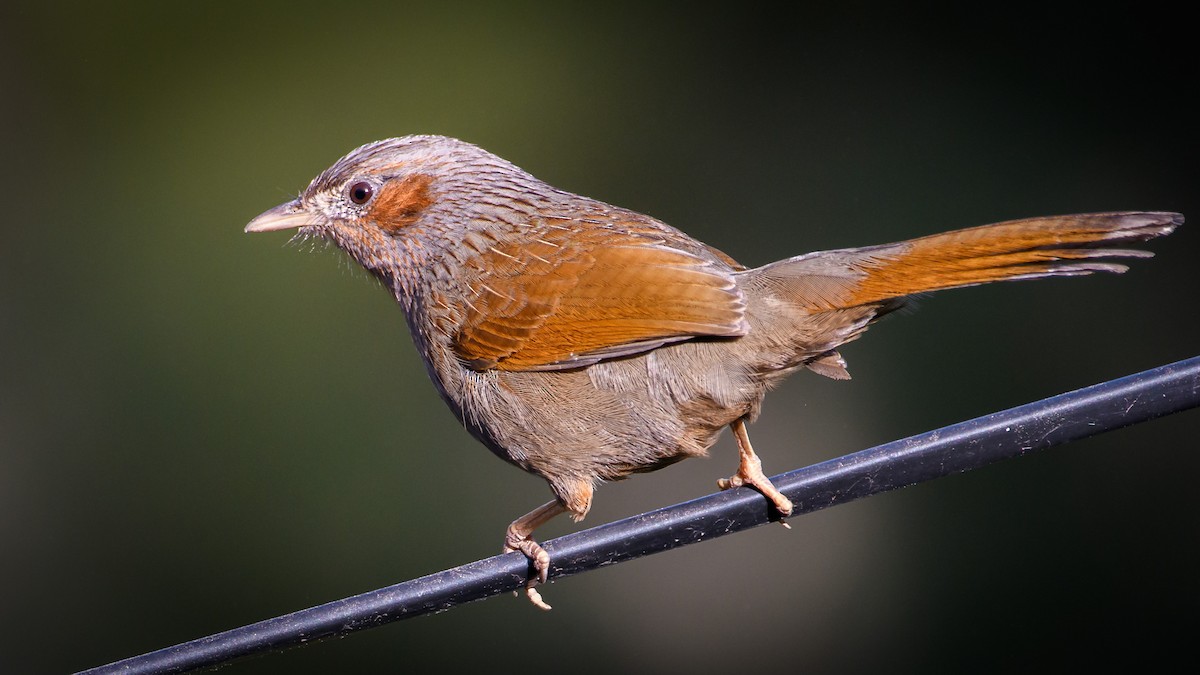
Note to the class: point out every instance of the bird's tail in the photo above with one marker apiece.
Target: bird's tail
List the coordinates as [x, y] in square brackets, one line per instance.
[834, 296]
[1018, 249]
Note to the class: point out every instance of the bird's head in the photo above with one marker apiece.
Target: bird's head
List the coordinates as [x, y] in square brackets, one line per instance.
[394, 203]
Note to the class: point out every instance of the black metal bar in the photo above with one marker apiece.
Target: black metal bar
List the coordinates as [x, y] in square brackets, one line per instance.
[953, 449]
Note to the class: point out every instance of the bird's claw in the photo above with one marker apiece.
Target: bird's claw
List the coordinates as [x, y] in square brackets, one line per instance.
[540, 560]
[535, 597]
[750, 473]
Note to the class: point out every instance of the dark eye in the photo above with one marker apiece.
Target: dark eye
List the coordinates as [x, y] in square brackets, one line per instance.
[361, 192]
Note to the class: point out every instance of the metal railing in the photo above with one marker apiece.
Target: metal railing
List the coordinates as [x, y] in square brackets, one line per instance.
[954, 449]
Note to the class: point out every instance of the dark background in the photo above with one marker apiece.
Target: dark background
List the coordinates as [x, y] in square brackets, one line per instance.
[200, 429]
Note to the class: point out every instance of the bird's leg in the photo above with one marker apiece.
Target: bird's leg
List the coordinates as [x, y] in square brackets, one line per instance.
[750, 472]
[519, 538]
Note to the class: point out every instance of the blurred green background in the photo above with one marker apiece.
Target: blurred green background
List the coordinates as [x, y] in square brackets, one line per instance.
[200, 429]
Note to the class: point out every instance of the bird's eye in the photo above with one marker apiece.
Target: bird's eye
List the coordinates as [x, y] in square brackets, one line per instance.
[361, 192]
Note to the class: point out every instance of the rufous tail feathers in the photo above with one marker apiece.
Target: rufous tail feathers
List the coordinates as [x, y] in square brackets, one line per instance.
[1018, 249]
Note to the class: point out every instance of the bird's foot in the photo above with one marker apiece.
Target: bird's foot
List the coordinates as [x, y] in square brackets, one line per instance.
[538, 558]
[750, 473]
[757, 480]
[519, 537]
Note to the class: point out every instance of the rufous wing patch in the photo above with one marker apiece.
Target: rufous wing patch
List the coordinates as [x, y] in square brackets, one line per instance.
[564, 299]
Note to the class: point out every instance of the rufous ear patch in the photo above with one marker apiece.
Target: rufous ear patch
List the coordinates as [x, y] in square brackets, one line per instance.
[401, 200]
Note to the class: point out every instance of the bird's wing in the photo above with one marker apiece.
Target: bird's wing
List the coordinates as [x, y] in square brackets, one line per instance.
[568, 296]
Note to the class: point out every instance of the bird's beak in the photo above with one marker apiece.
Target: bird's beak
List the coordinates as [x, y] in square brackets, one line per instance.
[283, 217]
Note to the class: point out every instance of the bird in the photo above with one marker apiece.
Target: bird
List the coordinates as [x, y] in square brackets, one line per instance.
[584, 342]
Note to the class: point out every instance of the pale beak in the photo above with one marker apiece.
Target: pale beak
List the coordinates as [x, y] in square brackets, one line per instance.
[283, 217]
